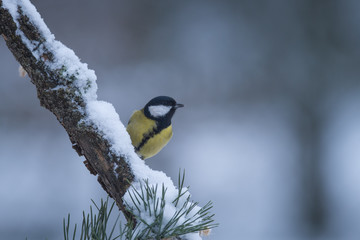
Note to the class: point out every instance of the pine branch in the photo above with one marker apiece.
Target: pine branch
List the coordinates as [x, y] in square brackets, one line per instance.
[158, 219]
[150, 210]
[94, 225]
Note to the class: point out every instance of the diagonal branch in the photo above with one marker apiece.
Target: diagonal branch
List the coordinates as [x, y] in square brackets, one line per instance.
[67, 88]
[64, 86]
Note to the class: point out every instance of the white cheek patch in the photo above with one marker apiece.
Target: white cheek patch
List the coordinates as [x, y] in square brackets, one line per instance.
[159, 111]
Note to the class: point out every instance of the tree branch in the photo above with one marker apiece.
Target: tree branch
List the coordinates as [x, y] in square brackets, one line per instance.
[59, 91]
[67, 88]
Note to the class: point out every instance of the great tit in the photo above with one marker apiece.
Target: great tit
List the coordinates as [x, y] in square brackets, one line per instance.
[150, 128]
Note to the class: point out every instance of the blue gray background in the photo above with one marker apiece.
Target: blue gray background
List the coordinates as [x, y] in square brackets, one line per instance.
[270, 131]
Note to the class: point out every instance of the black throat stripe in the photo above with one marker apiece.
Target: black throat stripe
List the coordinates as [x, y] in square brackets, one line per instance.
[147, 137]
[160, 125]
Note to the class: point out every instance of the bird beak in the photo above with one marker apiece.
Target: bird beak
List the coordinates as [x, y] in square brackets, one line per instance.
[178, 105]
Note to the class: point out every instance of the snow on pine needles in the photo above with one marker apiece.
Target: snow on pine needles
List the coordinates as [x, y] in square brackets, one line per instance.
[158, 205]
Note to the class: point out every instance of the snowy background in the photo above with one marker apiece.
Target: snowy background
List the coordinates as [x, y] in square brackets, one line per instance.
[270, 131]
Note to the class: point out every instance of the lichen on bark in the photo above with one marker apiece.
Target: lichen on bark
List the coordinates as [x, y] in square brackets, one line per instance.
[57, 91]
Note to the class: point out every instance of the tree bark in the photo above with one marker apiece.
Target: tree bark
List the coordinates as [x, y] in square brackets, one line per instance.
[114, 173]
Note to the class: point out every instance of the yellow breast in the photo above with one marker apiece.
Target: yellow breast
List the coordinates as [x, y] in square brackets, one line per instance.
[144, 135]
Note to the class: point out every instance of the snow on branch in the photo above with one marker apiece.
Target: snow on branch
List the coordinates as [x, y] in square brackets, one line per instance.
[67, 88]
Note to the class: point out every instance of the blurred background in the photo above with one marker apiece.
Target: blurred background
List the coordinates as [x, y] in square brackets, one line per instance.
[270, 131]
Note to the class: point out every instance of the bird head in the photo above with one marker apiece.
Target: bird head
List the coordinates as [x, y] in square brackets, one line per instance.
[161, 108]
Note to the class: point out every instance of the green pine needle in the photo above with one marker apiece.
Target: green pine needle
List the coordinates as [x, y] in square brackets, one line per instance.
[146, 202]
[95, 225]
